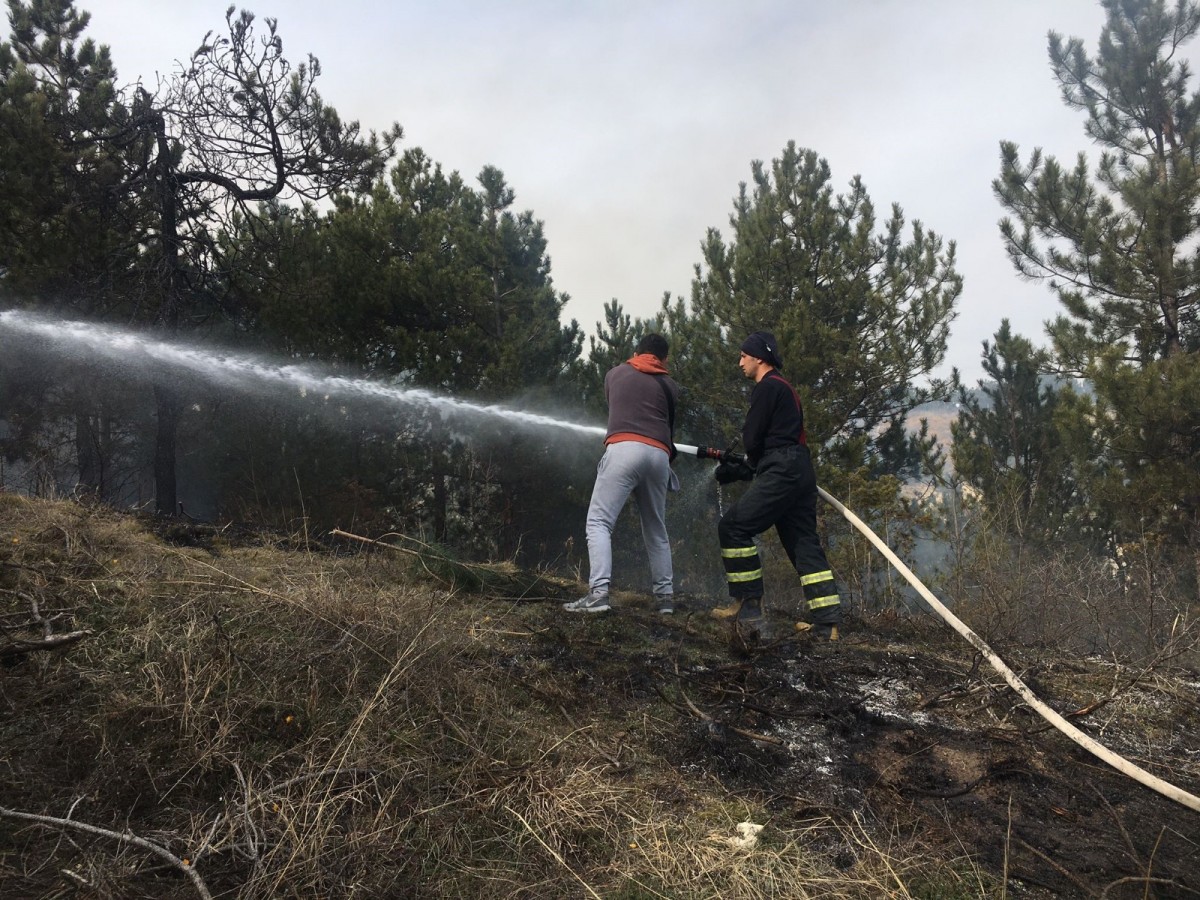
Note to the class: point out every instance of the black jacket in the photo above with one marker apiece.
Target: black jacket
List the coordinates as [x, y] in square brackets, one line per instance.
[775, 419]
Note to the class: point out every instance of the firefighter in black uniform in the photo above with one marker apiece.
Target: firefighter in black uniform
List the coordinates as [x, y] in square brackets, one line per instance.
[783, 493]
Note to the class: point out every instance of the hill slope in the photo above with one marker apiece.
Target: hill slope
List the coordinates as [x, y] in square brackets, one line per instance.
[346, 721]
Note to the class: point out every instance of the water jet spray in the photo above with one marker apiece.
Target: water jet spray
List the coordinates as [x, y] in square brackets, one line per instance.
[241, 370]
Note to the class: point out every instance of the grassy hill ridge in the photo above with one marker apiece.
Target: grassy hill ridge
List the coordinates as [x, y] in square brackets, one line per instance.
[288, 719]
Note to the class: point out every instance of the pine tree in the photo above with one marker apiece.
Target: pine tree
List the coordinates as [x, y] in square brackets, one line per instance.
[611, 344]
[66, 222]
[1006, 443]
[525, 345]
[433, 283]
[61, 210]
[1118, 246]
[861, 313]
[238, 125]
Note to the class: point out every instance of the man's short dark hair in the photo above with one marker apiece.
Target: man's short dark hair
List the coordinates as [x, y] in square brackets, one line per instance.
[655, 344]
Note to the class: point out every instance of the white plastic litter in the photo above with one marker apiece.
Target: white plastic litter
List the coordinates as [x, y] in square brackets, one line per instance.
[748, 836]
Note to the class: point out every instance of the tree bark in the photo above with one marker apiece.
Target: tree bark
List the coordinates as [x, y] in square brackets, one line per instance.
[87, 455]
[441, 501]
[167, 403]
[167, 407]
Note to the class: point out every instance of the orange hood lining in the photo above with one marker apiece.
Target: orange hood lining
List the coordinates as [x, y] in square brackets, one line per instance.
[648, 363]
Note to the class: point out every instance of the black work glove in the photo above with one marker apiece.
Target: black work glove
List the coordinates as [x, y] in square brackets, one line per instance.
[729, 472]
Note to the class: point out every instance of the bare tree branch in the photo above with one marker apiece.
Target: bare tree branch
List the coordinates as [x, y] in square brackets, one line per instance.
[127, 837]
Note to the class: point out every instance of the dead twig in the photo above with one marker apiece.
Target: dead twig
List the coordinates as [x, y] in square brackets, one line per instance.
[952, 693]
[253, 835]
[1138, 879]
[455, 574]
[276, 789]
[76, 877]
[1071, 877]
[697, 713]
[337, 532]
[562, 862]
[54, 642]
[1169, 651]
[705, 717]
[1133, 854]
[584, 731]
[127, 837]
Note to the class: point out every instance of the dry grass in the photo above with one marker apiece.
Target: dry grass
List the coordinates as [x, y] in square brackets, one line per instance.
[316, 724]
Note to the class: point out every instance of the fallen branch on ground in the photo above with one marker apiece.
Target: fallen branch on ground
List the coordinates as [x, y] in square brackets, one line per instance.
[127, 837]
[48, 641]
[20, 647]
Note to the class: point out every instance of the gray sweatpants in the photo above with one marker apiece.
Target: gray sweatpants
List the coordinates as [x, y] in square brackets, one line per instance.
[630, 467]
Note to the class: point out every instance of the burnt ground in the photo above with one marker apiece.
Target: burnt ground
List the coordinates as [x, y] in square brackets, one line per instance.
[903, 726]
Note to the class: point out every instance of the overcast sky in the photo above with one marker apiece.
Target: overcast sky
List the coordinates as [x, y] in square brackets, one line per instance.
[627, 125]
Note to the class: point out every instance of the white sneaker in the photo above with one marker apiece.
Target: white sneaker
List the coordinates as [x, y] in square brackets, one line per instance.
[588, 604]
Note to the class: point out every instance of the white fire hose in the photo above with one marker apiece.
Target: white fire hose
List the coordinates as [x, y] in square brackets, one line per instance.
[1119, 763]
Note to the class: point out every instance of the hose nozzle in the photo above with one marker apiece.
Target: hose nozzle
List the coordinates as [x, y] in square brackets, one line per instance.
[710, 453]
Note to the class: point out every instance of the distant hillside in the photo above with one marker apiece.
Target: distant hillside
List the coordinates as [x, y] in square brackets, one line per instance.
[940, 416]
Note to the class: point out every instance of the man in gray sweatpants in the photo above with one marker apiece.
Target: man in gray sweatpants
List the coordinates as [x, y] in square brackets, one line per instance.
[637, 460]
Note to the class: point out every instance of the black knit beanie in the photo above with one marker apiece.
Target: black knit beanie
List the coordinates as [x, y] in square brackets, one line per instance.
[762, 345]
